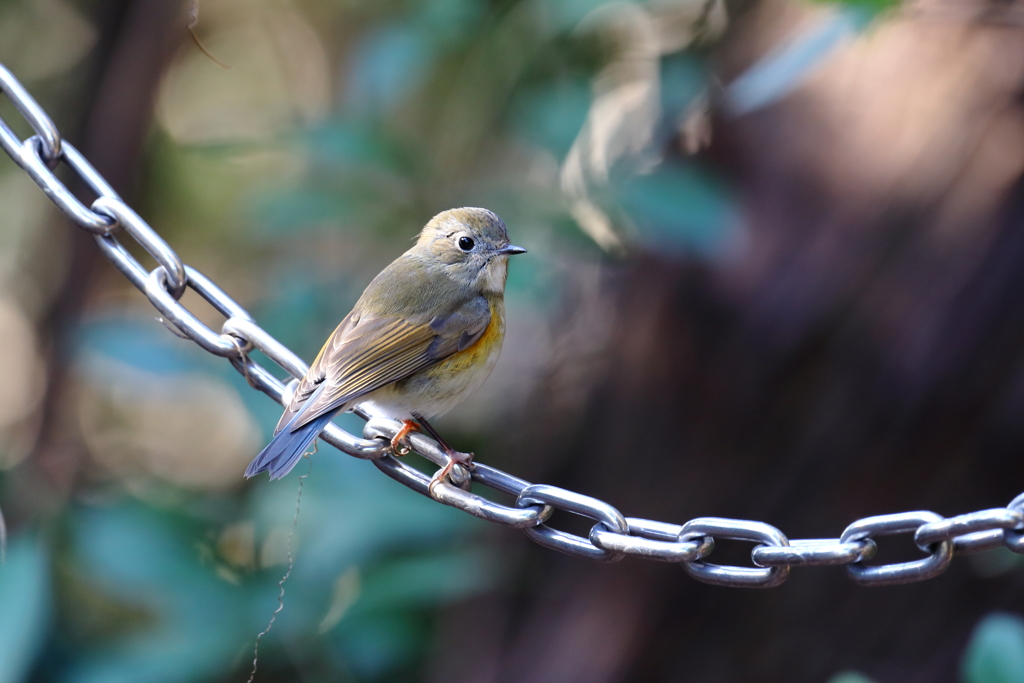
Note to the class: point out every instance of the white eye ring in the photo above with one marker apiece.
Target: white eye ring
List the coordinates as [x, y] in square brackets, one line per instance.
[466, 243]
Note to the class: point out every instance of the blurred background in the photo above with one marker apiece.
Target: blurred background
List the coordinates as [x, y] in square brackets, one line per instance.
[775, 272]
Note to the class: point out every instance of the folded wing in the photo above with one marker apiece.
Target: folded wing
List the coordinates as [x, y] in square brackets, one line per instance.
[367, 352]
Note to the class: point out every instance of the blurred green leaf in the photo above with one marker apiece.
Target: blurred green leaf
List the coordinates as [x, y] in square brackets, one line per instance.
[341, 143]
[679, 208]
[566, 15]
[142, 343]
[388, 64]
[148, 557]
[995, 653]
[356, 516]
[427, 580]
[24, 606]
[867, 9]
[381, 643]
[552, 115]
[448, 21]
[850, 677]
[683, 78]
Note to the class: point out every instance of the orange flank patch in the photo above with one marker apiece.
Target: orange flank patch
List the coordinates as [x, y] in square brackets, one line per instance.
[482, 348]
[474, 357]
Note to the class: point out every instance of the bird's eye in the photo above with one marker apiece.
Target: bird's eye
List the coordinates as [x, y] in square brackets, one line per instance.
[465, 243]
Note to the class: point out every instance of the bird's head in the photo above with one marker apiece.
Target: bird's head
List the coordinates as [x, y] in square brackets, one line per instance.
[471, 245]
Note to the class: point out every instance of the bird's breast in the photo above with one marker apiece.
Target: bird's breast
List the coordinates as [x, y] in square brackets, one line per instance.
[442, 386]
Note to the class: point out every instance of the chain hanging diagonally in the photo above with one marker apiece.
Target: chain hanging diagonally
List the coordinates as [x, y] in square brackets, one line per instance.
[613, 535]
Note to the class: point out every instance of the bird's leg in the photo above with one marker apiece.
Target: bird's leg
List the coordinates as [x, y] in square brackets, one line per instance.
[397, 447]
[432, 432]
[454, 456]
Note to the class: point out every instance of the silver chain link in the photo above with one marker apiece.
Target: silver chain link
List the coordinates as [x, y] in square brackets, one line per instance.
[612, 537]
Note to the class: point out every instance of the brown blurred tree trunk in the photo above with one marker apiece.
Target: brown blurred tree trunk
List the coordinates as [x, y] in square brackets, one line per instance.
[137, 38]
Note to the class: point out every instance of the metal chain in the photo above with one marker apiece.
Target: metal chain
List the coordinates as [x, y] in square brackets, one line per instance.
[612, 537]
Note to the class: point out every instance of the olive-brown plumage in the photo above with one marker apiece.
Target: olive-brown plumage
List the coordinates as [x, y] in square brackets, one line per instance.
[424, 335]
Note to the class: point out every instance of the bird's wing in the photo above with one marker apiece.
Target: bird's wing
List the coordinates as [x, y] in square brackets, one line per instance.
[367, 352]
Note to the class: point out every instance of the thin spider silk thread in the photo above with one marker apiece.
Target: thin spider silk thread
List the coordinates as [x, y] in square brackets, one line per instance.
[244, 361]
[280, 584]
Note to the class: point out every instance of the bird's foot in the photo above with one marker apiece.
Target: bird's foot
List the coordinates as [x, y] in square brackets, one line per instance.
[454, 458]
[399, 448]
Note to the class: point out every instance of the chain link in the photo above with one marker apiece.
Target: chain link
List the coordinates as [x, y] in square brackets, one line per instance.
[739, 530]
[652, 541]
[41, 123]
[611, 538]
[940, 553]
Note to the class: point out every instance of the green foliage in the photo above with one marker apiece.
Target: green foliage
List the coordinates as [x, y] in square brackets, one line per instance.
[868, 9]
[146, 558]
[291, 180]
[680, 208]
[850, 677]
[25, 603]
[995, 653]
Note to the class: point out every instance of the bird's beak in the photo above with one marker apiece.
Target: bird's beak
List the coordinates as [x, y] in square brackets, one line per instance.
[509, 250]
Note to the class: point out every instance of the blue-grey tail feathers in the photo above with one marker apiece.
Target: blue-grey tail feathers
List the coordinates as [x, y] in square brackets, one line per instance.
[285, 449]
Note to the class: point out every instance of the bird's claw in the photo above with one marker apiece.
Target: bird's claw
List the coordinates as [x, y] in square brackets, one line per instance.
[399, 448]
[454, 458]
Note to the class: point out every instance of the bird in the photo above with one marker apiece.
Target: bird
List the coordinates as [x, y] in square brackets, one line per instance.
[423, 336]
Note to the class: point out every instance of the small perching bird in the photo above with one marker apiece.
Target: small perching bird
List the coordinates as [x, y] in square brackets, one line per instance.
[424, 335]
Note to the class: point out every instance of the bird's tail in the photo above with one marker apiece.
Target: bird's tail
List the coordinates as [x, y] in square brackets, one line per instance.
[285, 449]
